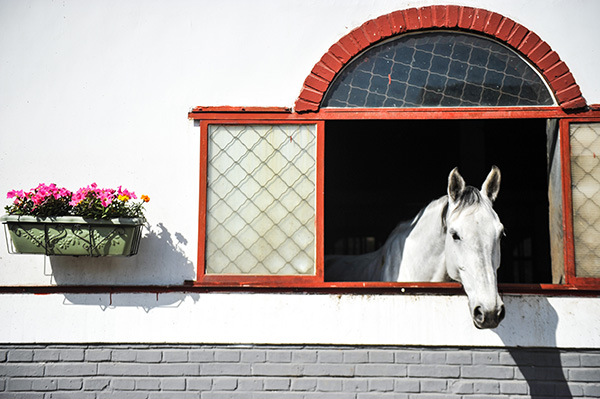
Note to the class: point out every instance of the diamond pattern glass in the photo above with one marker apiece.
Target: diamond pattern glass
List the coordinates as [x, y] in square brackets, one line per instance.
[437, 69]
[261, 199]
[585, 178]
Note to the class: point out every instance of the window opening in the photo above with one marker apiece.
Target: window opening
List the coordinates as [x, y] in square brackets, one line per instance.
[437, 69]
[380, 173]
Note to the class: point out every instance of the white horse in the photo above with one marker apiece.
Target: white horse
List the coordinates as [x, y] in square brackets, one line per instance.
[455, 238]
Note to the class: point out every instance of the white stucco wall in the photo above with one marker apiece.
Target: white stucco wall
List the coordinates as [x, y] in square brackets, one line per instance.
[293, 319]
[98, 91]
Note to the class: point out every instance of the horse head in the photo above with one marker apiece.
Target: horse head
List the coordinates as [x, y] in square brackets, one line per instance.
[472, 245]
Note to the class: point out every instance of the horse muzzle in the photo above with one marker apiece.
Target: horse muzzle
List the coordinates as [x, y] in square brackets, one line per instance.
[488, 318]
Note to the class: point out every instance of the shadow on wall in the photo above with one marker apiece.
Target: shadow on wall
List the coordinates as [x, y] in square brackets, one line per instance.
[146, 301]
[161, 260]
[541, 368]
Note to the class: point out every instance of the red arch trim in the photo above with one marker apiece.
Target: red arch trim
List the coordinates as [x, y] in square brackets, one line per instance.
[516, 36]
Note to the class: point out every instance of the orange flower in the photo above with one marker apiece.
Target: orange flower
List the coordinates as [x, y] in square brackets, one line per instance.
[145, 198]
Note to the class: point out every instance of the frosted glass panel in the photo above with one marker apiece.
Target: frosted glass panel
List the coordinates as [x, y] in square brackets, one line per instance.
[585, 176]
[261, 199]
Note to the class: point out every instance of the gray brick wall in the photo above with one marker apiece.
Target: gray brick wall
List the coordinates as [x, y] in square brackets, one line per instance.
[257, 372]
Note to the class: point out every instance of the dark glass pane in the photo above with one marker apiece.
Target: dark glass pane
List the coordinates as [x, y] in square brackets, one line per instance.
[437, 69]
[440, 65]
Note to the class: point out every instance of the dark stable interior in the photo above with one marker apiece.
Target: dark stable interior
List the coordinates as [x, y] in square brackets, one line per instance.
[379, 173]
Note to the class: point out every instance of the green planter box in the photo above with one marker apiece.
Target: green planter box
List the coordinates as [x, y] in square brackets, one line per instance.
[73, 235]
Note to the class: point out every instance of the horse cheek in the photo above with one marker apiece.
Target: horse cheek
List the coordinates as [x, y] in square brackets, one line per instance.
[453, 261]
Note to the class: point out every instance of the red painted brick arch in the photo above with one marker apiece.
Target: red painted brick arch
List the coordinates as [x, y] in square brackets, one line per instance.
[492, 24]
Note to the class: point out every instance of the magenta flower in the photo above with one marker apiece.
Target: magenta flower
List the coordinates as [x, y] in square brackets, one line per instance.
[105, 196]
[90, 201]
[76, 198]
[15, 193]
[125, 192]
[43, 200]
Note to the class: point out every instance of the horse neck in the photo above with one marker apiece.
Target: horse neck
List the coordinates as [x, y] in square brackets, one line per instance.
[423, 256]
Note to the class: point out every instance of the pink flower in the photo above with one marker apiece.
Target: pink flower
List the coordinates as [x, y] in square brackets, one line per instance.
[76, 198]
[15, 193]
[124, 191]
[105, 196]
[38, 198]
[79, 196]
[87, 201]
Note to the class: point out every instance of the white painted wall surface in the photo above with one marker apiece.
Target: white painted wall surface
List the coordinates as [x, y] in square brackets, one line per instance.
[293, 319]
[98, 91]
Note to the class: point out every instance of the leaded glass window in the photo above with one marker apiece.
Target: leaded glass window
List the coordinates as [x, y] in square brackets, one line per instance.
[437, 69]
[585, 178]
[261, 199]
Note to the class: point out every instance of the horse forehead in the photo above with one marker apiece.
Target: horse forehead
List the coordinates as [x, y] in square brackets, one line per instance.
[477, 217]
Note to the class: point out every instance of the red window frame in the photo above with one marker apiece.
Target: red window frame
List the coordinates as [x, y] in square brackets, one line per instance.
[260, 280]
[246, 115]
[569, 238]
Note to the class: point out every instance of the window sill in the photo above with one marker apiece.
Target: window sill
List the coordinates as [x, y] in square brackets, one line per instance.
[352, 288]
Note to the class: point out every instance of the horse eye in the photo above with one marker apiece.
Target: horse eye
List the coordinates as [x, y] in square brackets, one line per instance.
[455, 236]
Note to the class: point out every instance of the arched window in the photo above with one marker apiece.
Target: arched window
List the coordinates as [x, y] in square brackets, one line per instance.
[437, 69]
[385, 115]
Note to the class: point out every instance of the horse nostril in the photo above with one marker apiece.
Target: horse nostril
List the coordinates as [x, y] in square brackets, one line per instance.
[501, 313]
[478, 315]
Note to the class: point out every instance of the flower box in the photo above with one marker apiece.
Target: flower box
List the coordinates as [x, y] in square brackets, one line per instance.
[92, 221]
[72, 235]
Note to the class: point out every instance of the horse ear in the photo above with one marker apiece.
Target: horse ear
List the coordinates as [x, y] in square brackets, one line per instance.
[491, 186]
[456, 185]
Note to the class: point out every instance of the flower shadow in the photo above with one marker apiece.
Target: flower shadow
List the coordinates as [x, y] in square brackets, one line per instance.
[161, 261]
